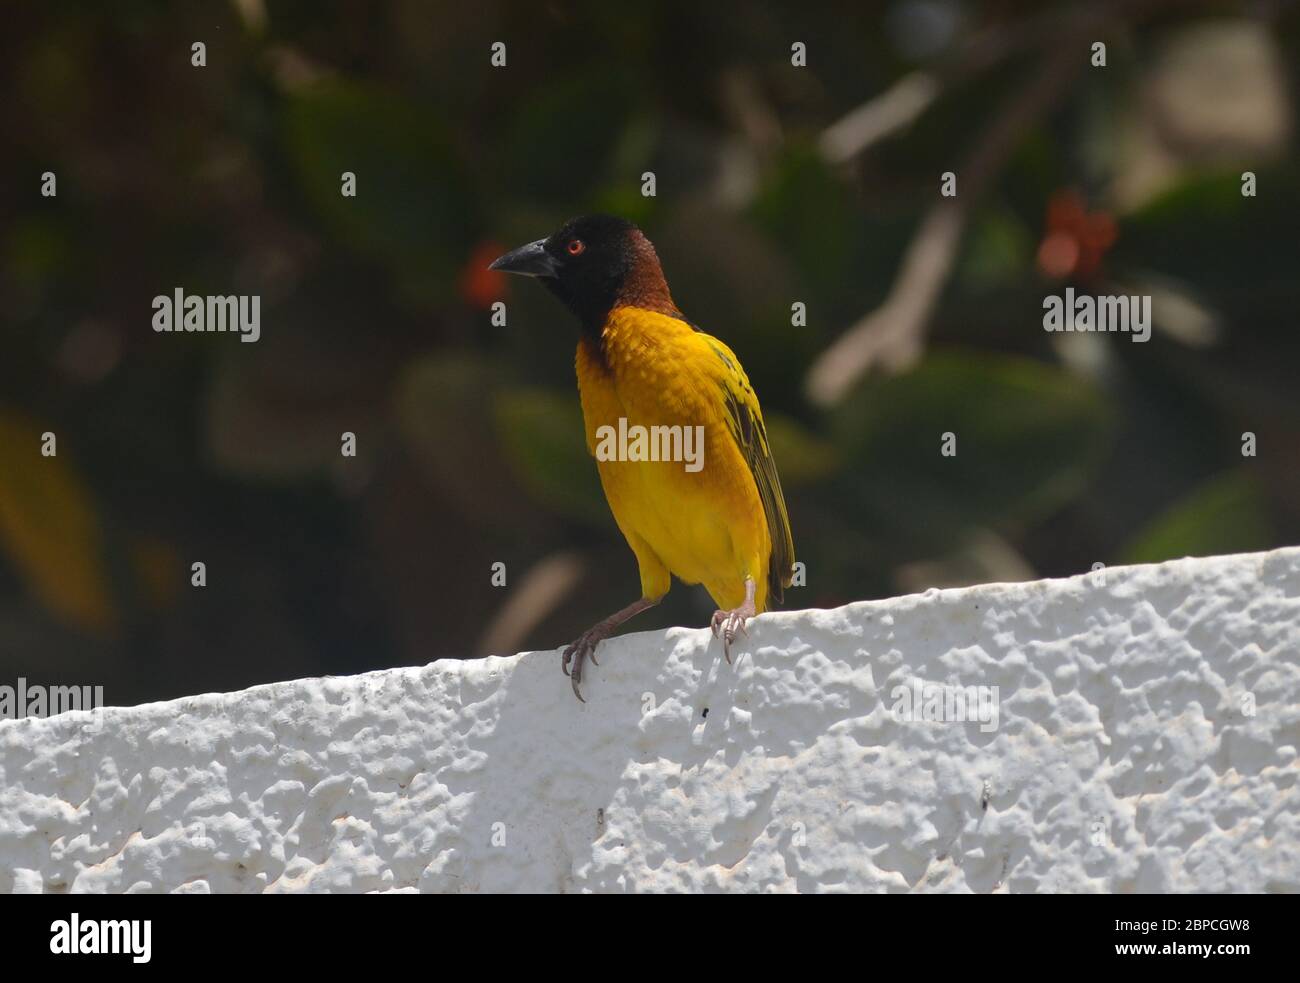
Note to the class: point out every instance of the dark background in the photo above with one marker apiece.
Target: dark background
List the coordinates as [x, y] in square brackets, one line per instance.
[775, 184]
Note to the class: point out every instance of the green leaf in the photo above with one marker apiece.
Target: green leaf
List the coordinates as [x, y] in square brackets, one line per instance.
[412, 203]
[810, 211]
[565, 135]
[998, 250]
[1227, 514]
[1196, 232]
[1027, 438]
[801, 457]
[545, 442]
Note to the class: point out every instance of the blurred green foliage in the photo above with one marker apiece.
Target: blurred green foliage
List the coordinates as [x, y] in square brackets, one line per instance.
[376, 309]
[1025, 438]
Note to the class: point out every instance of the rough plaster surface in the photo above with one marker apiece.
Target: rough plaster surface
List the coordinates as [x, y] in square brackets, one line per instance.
[1125, 758]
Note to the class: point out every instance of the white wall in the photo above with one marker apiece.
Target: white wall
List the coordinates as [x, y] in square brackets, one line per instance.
[1125, 758]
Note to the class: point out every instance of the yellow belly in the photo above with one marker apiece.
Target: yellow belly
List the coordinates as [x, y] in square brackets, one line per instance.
[705, 526]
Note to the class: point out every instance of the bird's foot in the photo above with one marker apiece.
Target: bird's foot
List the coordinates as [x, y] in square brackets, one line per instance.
[581, 650]
[730, 623]
[585, 647]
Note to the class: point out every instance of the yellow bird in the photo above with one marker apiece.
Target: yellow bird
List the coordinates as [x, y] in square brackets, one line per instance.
[675, 428]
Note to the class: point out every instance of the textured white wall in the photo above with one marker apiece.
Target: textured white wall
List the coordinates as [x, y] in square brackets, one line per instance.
[1125, 758]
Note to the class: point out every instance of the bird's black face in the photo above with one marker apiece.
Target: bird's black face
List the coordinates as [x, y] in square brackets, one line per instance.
[584, 263]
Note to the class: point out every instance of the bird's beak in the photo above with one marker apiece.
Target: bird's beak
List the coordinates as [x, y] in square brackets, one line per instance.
[529, 260]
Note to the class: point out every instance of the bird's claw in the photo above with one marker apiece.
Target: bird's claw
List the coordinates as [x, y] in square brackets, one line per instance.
[729, 623]
[577, 653]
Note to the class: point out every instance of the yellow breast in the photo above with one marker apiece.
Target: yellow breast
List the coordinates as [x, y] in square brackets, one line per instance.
[652, 389]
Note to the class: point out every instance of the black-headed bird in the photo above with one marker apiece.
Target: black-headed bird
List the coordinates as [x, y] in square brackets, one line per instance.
[721, 522]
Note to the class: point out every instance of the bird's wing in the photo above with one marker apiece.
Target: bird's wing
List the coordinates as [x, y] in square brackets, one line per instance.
[744, 419]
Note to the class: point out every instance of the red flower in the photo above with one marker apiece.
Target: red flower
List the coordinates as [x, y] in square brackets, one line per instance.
[1076, 239]
[479, 286]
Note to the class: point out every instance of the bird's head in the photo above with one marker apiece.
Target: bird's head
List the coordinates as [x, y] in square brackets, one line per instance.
[593, 264]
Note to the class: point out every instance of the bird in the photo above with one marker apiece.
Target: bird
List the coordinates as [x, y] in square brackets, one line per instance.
[721, 522]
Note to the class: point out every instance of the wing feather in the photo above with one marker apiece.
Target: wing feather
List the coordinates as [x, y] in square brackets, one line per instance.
[744, 419]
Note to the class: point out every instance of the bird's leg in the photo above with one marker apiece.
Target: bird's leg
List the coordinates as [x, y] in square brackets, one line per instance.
[733, 621]
[585, 647]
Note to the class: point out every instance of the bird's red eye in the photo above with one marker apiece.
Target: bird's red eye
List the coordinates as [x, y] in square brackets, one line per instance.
[576, 247]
